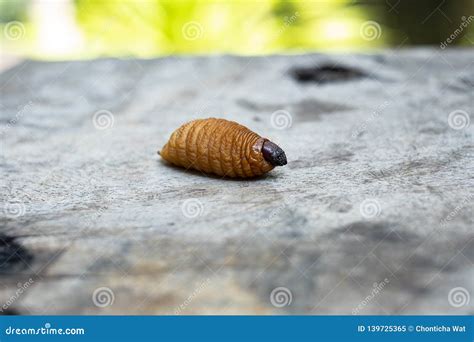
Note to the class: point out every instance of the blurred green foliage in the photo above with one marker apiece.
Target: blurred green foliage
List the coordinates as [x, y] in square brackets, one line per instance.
[147, 28]
[168, 27]
[13, 10]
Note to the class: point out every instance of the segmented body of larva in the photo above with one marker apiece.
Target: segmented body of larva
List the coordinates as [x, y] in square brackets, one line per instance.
[222, 147]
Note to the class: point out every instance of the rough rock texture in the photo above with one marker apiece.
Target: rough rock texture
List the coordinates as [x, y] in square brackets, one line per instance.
[372, 214]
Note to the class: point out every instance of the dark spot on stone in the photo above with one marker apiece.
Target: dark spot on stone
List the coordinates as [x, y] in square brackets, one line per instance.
[376, 232]
[468, 80]
[379, 174]
[313, 110]
[462, 83]
[340, 205]
[334, 154]
[246, 104]
[326, 74]
[380, 58]
[258, 107]
[418, 167]
[13, 256]
[432, 129]
[10, 312]
[306, 110]
[292, 234]
[301, 164]
[468, 250]
[419, 261]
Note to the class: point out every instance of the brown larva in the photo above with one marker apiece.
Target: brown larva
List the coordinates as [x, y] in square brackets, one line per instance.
[222, 147]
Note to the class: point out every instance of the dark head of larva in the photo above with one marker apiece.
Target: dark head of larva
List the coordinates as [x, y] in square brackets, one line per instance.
[273, 154]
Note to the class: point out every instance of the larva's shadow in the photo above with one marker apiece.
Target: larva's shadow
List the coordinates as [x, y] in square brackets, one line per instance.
[195, 173]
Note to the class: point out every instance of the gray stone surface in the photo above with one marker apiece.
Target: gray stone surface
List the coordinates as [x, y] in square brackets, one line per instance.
[378, 189]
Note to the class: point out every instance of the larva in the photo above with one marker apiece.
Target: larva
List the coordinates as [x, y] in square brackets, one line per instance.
[222, 147]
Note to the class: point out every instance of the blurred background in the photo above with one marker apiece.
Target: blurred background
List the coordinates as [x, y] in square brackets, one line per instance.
[83, 29]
